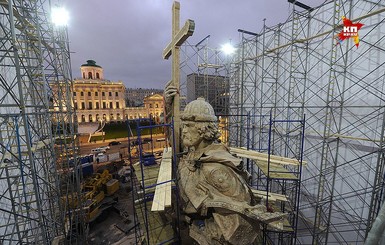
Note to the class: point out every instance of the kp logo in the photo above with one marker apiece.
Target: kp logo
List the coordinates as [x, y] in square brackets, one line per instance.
[349, 30]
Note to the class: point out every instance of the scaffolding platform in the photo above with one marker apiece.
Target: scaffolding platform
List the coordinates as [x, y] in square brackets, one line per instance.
[272, 166]
[160, 229]
[275, 171]
[153, 190]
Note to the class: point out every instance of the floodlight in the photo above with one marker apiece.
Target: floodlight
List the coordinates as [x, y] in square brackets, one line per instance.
[228, 49]
[59, 16]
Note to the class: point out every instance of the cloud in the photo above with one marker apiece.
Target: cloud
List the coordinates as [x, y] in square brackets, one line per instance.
[127, 37]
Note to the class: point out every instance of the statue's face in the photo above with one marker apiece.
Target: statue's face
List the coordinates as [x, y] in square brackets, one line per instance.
[190, 134]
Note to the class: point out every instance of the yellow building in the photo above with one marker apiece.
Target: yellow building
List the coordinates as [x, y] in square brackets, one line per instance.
[153, 107]
[95, 98]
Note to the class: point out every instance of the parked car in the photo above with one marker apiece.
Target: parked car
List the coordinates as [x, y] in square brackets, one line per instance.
[114, 143]
[105, 147]
[98, 150]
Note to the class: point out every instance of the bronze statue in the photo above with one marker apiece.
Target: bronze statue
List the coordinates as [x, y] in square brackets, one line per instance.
[217, 201]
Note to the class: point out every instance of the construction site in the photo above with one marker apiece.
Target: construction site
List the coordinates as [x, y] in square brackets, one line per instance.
[303, 110]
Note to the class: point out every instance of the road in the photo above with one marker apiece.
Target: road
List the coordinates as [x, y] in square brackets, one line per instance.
[85, 148]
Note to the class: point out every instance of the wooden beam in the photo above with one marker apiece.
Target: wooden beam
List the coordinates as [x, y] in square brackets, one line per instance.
[272, 196]
[274, 159]
[162, 196]
[177, 38]
[186, 31]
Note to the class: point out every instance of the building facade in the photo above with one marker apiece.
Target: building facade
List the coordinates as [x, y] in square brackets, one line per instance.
[95, 98]
[135, 96]
[211, 87]
[153, 108]
[154, 105]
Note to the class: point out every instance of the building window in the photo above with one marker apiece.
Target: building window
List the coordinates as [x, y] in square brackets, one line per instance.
[156, 106]
[97, 117]
[109, 93]
[81, 93]
[97, 75]
[103, 94]
[111, 117]
[117, 104]
[90, 118]
[118, 116]
[116, 93]
[83, 118]
[74, 93]
[104, 105]
[76, 105]
[83, 105]
[96, 94]
[84, 75]
[150, 105]
[97, 105]
[110, 105]
[89, 105]
[89, 93]
[104, 117]
[90, 75]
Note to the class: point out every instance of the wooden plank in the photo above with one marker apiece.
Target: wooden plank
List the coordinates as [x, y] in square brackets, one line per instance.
[276, 171]
[168, 177]
[162, 197]
[274, 159]
[272, 196]
[152, 189]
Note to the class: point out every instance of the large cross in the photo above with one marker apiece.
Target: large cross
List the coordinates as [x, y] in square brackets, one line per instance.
[177, 39]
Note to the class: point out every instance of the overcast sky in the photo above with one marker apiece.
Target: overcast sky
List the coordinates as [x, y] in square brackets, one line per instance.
[127, 37]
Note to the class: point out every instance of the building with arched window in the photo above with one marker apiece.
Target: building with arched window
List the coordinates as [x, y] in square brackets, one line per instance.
[153, 107]
[94, 96]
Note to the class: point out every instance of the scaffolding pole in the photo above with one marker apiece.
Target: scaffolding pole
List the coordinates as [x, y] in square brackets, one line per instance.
[298, 67]
[31, 207]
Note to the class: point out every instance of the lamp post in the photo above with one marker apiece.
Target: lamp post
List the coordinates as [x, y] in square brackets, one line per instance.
[59, 16]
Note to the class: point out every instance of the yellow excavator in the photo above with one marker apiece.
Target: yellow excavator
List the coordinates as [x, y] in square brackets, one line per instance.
[94, 191]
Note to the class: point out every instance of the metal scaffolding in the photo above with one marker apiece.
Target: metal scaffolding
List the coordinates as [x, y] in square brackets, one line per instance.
[154, 222]
[204, 74]
[34, 169]
[299, 68]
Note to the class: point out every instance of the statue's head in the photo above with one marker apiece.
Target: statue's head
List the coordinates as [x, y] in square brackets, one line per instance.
[199, 124]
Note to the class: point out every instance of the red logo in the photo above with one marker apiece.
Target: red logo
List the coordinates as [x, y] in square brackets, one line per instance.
[350, 30]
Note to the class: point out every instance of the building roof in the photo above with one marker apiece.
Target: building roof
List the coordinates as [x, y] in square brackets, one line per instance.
[91, 63]
[154, 97]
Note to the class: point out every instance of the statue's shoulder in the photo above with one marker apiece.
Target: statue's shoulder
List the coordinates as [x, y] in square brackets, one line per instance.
[219, 152]
[216, 148]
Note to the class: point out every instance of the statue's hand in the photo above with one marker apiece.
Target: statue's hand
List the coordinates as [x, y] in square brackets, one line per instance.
[169, 93]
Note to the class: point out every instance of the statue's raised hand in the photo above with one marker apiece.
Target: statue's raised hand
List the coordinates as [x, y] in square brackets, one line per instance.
[169, 93]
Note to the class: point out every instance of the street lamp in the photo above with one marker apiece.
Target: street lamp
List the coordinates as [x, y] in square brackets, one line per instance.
[59, 16]
[228, 49]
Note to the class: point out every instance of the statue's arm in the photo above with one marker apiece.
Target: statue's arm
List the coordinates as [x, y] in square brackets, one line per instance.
[169, 93]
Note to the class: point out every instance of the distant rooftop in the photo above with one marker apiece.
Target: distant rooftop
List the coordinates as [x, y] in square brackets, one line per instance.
[91, 63]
